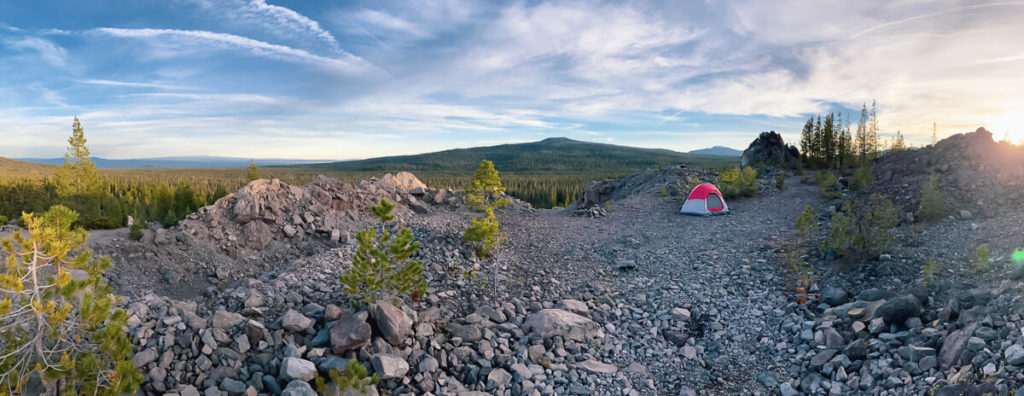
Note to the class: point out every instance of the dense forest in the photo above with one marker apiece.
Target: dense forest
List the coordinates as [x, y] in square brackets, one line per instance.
[546, 174]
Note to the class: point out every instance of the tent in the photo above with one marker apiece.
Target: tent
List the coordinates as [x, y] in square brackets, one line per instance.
[704, 200]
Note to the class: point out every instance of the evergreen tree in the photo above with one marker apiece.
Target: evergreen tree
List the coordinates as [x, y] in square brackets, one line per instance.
[185, 199]
[807, 140]
[862, 139]
[62, 327]
[898, 143]
[377, 271]
[828, 137]
[253, 172]
[485, 190]
[874, 146]
[78, 174]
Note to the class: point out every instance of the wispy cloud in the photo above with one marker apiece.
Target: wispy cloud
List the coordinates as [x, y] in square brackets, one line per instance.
[50, 52]
[129, 84]
[345, 63]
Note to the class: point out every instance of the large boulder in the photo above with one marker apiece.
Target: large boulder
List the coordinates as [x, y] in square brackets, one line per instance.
[394, 325]
[349, 332]
[769, 150]
[556, 322]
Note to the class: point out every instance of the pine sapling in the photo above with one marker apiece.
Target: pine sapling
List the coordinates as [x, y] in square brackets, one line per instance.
[382, 268]
[56, 313]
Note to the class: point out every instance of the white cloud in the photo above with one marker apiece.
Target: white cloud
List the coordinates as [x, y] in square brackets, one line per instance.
[51, 53]
[345, 63]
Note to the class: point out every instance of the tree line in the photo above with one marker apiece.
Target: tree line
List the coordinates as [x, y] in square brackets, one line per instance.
[827, 142]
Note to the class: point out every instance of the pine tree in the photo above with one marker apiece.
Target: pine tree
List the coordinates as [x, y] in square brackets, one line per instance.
[817, 148]
[377, 271]
[898, 143]
[484, 234]
[862, 139]
[829, 141]
[807, 140]
[78, 174]
[253, 172]
[62, 326]
[873, 142]
[485, 190]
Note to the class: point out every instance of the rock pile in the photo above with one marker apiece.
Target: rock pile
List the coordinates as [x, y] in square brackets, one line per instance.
[327, 209]
[648, 182]
[978, 174]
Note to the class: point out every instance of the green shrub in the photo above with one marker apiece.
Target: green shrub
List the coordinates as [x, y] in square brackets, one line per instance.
[663, 192]
[485, 190]
[863, 229]
[874, 237]
[780, 180]
[807, 223]
[862, 178]
[484, 234]
[933, 203]
[736, 182]
[827, 185]
[981, 263]
[353, 378]
[931, 270]
[4, 220]
[381, 268]
[805, 178]
[135, 232]
[841, 237]
[63, 328]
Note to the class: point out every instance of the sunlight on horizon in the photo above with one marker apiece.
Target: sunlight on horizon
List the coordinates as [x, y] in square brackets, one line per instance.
[1009, 127]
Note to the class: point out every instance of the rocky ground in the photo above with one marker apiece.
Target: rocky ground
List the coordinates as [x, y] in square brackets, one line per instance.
[632, 298]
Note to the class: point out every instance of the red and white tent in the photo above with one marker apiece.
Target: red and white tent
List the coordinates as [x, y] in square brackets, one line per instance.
[705, 199]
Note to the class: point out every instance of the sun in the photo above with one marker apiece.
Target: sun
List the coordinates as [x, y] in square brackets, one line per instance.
[1009, 126]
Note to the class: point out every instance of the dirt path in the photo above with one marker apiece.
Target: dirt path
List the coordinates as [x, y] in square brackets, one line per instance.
[723, 269]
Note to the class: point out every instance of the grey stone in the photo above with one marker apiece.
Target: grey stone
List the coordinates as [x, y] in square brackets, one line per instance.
[226, 320]
[597, 366]
[834, 296]
[293, 368]
[389, 366]
[898, 309]
[189, 390]
[498, 378]
[394, 325]
[556, 322]
[468, 333]
[1014, 355]
[298, 388]
[294, 321]
[954, 351]
[975, 344]
[145, 357]
[233, 387]
[348, 333]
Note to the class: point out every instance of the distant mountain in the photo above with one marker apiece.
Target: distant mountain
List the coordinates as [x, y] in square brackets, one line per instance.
[177, 162]
[552, 156]
[719, 151]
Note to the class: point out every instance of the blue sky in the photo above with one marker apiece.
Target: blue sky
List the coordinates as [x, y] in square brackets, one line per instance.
[355, 79]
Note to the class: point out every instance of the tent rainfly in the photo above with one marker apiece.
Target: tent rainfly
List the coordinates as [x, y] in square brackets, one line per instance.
[705, 200]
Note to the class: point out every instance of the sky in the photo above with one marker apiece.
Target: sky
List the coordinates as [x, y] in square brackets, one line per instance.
[356, 79]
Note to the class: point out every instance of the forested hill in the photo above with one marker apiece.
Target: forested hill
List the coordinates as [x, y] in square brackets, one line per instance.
[553, 156]
[9, 167]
